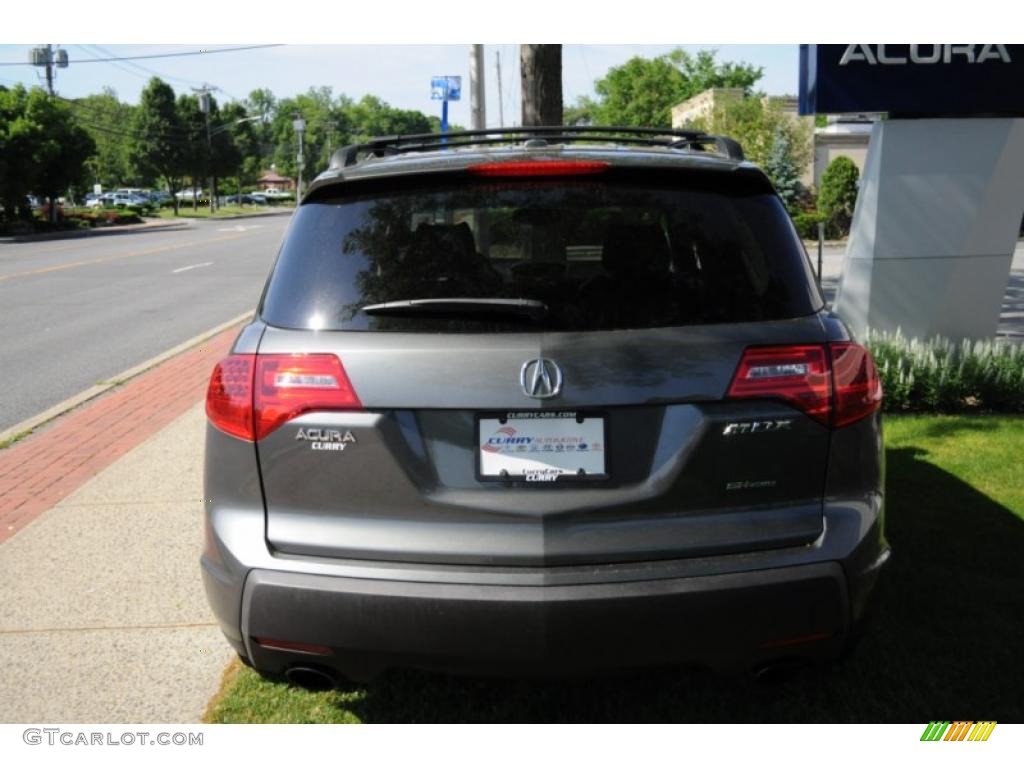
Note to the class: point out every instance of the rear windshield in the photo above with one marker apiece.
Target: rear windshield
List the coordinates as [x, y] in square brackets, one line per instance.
[585, 255]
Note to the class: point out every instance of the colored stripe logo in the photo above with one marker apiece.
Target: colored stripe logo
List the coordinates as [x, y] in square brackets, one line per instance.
[958, 731]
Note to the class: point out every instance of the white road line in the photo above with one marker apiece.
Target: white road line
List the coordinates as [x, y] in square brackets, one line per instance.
[240, 228]
[191, 266]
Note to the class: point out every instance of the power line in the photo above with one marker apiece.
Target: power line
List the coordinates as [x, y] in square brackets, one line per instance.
[114, 64]
[200, 52]
[136, 69]
[182, 136]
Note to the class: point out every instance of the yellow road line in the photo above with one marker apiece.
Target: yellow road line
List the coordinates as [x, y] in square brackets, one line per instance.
[133, 254]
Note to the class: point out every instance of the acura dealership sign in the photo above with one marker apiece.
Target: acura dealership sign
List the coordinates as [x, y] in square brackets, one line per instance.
[913, 79]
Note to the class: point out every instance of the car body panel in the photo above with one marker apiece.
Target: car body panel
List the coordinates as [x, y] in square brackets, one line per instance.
[743, 543]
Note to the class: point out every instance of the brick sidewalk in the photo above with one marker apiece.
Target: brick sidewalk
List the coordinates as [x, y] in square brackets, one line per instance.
[40, 470]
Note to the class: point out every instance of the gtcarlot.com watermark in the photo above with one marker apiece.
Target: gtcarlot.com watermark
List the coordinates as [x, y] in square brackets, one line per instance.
[69, 738]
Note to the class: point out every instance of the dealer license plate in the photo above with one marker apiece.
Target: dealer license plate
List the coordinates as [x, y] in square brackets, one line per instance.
[541, 446]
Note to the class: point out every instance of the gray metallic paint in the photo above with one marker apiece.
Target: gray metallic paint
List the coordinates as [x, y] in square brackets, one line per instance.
[400, 516]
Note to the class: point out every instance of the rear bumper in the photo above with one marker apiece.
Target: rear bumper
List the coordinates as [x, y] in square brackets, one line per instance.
[726, 620]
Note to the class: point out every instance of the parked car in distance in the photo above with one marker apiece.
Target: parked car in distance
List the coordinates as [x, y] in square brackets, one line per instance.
[104, 200]
[274, 195]
[259, 199]
[129, 200]
[551, 406]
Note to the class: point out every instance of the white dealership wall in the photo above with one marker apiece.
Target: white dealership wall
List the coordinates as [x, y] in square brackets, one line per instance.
[935, 226]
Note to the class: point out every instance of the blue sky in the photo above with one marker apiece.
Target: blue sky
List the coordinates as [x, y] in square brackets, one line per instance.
[400, 74]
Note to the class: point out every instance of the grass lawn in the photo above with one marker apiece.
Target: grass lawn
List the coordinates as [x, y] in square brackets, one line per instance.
[203, 211]
[943, 642]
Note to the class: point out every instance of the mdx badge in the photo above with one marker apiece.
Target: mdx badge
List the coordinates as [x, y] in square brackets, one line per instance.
[326, 439]
[750, 427]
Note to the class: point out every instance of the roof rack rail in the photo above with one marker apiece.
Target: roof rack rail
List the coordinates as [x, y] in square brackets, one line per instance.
[382, 146]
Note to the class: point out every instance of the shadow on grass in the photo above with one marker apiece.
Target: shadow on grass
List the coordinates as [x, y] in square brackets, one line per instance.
[948, 427]
[943, 641]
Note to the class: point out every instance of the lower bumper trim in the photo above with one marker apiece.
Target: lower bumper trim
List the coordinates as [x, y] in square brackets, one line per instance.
[370, 625]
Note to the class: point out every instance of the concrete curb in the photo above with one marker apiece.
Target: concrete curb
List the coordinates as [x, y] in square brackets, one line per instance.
[812, 245]
[34, 422]
[284, 212]
[127, 229]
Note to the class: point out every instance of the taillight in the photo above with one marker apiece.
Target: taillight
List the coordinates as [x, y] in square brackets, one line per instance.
[858, 389]
[290, 385]
[229, 396]
[539, 168]
[252, 395]
[835, 384]
[797, 374]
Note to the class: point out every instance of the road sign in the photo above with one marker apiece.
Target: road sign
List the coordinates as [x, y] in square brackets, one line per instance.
[446, 88]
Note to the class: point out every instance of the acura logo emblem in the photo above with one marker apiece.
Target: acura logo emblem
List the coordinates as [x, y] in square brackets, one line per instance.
[540, 378]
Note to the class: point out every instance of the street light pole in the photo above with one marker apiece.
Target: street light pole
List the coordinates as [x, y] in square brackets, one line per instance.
[300, 126]
[204, 107]
[477, 109]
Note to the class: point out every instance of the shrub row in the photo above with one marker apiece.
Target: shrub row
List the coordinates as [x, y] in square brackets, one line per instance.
[102, 218]
[939, 375]
[84, 218]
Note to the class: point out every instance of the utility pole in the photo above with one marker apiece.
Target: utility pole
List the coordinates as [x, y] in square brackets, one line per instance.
[49, 68]
[46, 56]
[501, 103]
[204, 107]
[300, 126]
[477, 107]
[541, 77]
[50, 58]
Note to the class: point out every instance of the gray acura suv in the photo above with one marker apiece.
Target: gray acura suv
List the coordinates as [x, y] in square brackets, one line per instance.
[541, 401]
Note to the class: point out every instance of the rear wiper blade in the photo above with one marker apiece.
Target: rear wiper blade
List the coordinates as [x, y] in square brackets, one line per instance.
[531, 308]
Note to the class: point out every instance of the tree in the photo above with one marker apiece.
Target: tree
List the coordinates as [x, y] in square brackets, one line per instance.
[756, 123]
[319, 109]
[106, 119]
[233, 135]
[255, 140]
[159, 147]
[43, 149]
[371, 116]
[332, 122]
[224, 155]
[642, 91]
[61, 148]
[838, 194]
[540, 68]
[16, 139]
[195, 152]
[781, 169]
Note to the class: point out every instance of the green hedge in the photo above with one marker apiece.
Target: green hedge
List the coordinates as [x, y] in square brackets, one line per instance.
[942, 376]
[807, 225]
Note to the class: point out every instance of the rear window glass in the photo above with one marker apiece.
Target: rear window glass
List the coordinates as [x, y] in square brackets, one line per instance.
[586, 255]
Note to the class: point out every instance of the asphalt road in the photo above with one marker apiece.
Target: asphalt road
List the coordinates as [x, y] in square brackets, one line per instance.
[77, 312]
